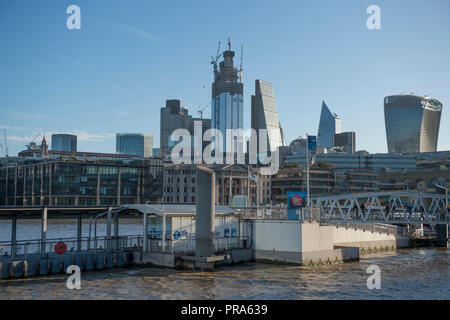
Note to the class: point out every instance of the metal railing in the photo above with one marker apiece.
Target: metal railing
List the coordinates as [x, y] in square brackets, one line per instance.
[24, 248]
[221, 244]
[368, 226]
[265, 213]
[309, 214]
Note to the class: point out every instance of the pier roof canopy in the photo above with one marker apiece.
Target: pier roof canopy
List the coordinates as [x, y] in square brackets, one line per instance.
[174, 209]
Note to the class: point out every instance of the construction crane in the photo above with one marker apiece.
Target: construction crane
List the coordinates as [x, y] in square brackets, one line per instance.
[214, 60]
[200, 112]
[240, 69]
[32, 143]
[34, 139]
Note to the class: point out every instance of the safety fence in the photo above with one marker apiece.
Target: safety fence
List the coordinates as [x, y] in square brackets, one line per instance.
[155, 243]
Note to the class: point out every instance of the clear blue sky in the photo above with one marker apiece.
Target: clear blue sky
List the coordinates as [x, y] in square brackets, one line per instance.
[115, 73]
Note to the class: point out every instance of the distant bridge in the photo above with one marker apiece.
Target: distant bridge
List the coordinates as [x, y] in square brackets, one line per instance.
[385, 207]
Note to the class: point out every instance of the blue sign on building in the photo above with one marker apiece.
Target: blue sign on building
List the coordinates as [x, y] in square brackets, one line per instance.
[176, 235]
[296, 200]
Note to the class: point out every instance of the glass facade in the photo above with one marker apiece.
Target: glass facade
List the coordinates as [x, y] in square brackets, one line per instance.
[81, 183]
[265, 115]
[412, 123]
[136, 144]
[229, 111]
[329, 125]
[64, 142]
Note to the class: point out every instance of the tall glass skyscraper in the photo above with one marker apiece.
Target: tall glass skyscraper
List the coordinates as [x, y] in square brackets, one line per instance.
[412, 123]
[265, 115]
[227, 105]
[329, 125]
[64, 142]
[136, 144]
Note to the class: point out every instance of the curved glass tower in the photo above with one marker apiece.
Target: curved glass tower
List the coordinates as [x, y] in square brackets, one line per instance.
[412, 123]
[329, 125]
[265, 115]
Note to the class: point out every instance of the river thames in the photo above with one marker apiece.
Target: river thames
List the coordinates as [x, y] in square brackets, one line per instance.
[405, 274]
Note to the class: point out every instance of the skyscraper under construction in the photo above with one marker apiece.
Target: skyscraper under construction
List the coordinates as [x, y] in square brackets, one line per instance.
[227, 105]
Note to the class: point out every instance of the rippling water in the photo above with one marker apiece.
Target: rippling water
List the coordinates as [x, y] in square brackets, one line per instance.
[405, 274]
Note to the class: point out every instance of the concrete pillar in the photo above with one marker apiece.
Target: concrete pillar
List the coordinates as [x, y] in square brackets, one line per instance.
[44, 229]
[145, 233]
[79, 231]
[205, 213]
[108, 229]
[13, 235]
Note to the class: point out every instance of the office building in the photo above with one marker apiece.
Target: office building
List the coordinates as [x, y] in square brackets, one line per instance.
[227, 105]
[265, 116]
[345, 142]
[293, 178]
[64, 142]
[232, 182]
[329, 125]
[136, 144]
[412, 123]
[173, 117]
[205, 125]
[39, 182]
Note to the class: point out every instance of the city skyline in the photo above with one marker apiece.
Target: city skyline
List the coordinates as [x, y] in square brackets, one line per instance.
[57, 80]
